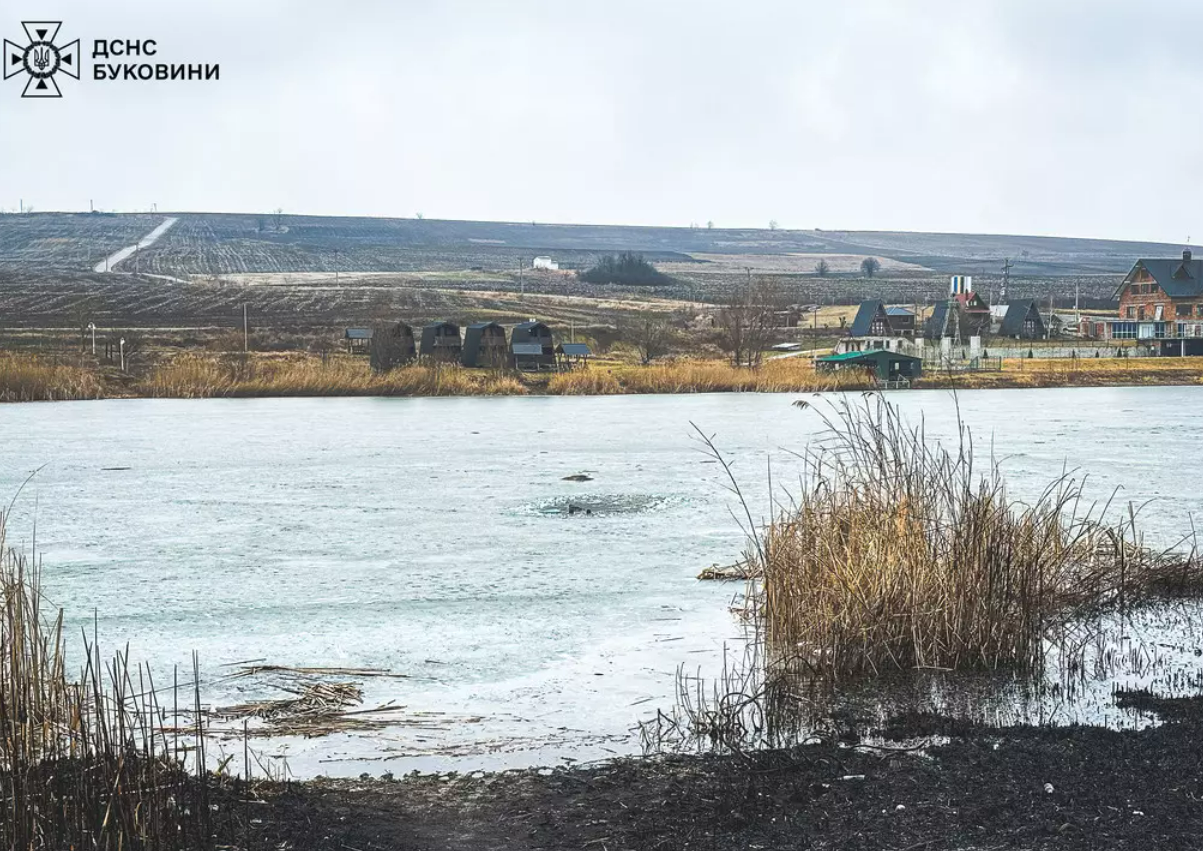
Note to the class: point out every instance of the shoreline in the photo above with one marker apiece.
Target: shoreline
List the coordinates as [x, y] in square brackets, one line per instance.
[980, 787]
[192, 376]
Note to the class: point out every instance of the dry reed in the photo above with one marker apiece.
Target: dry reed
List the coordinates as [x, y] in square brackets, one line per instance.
[897, 554]
[89, 763]
[32, 379]
[194, 376]
[787, 375]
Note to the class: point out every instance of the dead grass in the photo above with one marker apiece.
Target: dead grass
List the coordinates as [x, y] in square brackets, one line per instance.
[195, 376]
[88, 763]
[33, 379]
[899, 554]
[1075, 372]
[702, 376]
[192, 375]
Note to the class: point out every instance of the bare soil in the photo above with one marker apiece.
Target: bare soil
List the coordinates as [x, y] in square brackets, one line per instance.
[1023, 788]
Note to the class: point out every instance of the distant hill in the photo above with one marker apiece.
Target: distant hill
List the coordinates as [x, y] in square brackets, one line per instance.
[220, 243]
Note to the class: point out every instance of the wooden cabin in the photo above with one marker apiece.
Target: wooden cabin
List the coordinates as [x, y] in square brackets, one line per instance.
[572, 355]
[441, 342]
[391, 346]
[1023, 321]
[531, 346]
[357, 340]
[484, 346]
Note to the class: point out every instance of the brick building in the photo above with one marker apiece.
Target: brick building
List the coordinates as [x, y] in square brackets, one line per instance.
[1160, 304]
[1163, 291]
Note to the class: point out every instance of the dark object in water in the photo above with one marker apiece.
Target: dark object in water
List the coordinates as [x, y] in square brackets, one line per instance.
[114, 469]
[577, 477]
[739, 570]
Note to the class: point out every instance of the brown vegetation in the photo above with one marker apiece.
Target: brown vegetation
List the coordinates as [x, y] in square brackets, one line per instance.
[33, 379]
[92, 763]
[897, 554]
[193, 376]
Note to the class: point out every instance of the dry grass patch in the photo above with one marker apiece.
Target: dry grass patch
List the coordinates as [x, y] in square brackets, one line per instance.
[32, 379]
[88, 763]
[899, 554]
[197, 376]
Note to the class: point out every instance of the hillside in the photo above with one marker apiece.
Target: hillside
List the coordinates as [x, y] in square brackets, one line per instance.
[329, 271]
[208, 244]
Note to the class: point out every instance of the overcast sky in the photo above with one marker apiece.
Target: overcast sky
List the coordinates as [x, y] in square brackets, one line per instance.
[1015, 116]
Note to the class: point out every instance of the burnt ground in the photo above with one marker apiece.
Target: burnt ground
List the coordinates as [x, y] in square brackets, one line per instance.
[983, 790]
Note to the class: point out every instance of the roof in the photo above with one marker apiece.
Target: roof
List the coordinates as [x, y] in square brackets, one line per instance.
[871, 354]
[899, 311]
[971, 301]
[935, 323]
[479, 325]
[443, 324]
[527, 348]
[1017, 314]
[358, 334]
[1178, 278]
[574, 349]
[863, 323]
[531, 327]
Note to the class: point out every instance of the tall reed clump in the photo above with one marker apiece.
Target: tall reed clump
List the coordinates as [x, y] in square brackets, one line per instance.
[31, 379]
[197, 376]
[898, 554]
[93, 763]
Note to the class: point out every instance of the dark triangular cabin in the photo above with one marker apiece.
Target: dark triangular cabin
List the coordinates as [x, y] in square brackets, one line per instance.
[1023, 321]
[391, 346]
[484, 346]
[441, 342]
[531, 346]
[871, 320]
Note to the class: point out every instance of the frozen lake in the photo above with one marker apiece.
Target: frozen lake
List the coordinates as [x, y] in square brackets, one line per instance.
[430, 537]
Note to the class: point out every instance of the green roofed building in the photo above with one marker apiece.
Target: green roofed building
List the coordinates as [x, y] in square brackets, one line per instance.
[886, 366]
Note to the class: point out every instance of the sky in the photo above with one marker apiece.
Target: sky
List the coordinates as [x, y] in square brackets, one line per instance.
[985, 116]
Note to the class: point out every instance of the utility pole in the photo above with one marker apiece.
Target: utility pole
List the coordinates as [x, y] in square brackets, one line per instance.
[246, 334]
[521, 280]
[1006, 269]
[92, 328]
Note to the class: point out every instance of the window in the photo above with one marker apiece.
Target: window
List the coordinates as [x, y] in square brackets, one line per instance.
[1140, 313]
[1131, 312]
[1123, 330]
[1153, 288]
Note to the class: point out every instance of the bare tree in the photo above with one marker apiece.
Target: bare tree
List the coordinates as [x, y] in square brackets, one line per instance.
[822, 268]
[652, 334]
[746, 325]
[133, 347]
[869, 266]
[83, 314]
[772, 224]
[710, 225]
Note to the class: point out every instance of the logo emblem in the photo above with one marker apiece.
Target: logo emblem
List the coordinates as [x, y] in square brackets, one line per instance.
[41, 59]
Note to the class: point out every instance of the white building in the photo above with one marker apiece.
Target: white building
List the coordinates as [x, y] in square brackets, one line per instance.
[545, 263]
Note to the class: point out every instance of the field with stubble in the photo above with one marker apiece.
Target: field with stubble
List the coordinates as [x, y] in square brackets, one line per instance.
[302, 279]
